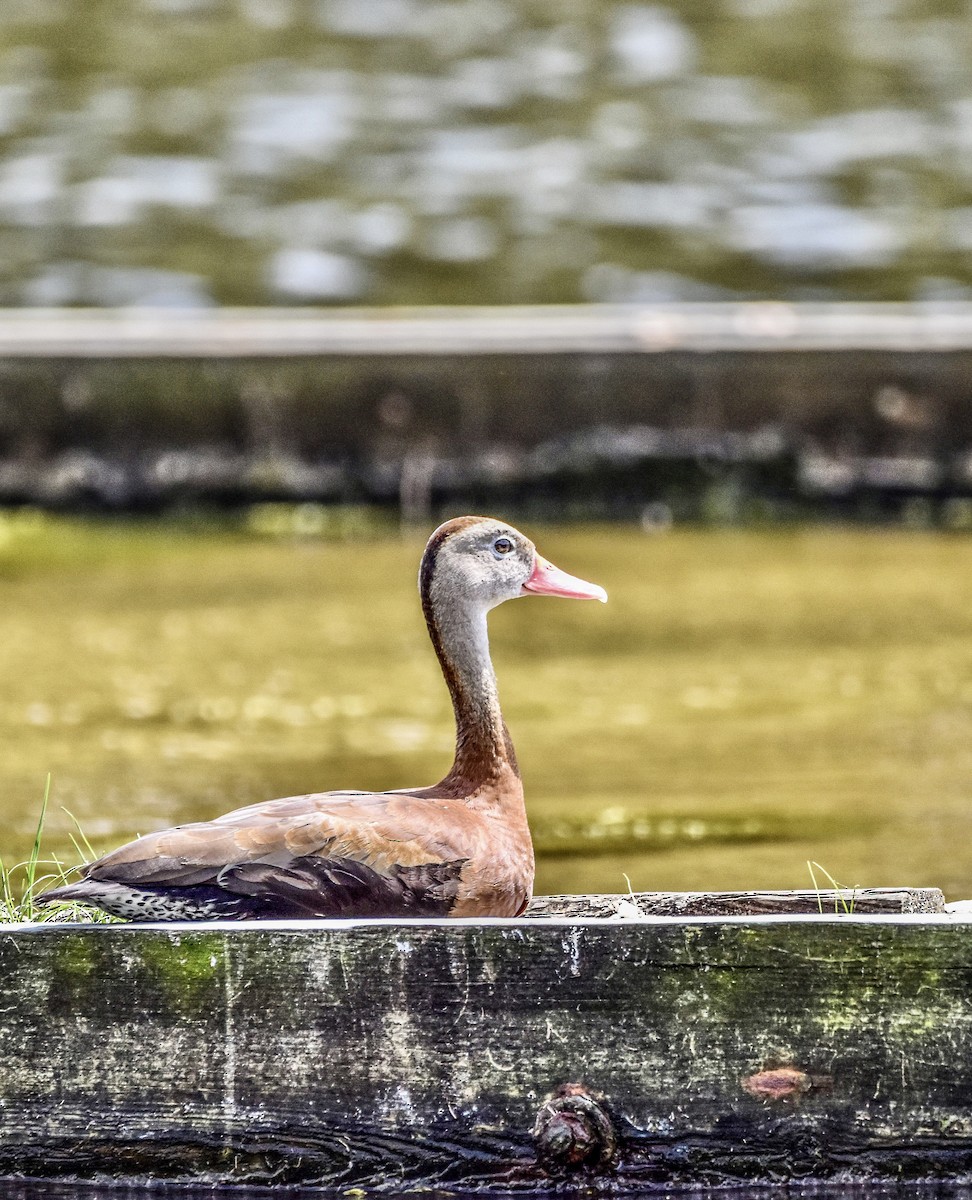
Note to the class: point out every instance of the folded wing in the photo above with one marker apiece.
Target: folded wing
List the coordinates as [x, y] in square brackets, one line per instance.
[322, 855]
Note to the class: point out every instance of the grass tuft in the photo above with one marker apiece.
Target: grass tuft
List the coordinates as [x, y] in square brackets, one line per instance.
[841, 903]
[22, 883]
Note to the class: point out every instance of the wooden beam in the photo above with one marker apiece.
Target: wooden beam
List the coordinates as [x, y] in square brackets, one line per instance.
[457, 1055]
[740, 904]
[567, 329]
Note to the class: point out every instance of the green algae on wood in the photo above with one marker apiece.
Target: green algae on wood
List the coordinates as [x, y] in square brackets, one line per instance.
[366, 1054]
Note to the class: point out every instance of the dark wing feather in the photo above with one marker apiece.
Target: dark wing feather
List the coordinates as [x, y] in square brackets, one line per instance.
[340, 887]
[300, 888]
[172, 872]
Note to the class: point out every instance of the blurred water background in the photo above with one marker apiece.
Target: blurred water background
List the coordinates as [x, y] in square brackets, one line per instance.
[207, 562]
[200, 152]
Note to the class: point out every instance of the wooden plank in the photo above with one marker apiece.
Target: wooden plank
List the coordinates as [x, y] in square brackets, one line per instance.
[729, 904]
[395, 1056]
[567, 329]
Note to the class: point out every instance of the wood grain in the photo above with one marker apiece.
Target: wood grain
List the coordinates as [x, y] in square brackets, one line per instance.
[388, 1055]
[729, 904]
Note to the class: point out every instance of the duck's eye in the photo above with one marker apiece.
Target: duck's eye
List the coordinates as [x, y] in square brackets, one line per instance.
[502, 546]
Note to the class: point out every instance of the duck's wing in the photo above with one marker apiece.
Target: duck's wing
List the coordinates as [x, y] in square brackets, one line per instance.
[326, 854]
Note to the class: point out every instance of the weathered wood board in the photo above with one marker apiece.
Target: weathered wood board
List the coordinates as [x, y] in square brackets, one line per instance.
[389, 1056]
[740, 904]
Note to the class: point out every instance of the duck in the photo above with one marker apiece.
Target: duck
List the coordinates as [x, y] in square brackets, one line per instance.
[460, 848]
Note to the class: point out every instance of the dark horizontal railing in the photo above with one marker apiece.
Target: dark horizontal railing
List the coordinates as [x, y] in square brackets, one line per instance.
[711, 411]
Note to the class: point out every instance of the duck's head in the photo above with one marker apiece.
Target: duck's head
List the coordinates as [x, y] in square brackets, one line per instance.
[480, 561]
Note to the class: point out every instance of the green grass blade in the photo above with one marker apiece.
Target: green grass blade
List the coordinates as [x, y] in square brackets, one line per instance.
[89, 851]
[813, 880]
[35, 850]
[839, 900]
[20, 883]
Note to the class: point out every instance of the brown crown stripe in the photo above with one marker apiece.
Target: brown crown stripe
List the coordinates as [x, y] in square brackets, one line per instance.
[427, 571]
[434, 545]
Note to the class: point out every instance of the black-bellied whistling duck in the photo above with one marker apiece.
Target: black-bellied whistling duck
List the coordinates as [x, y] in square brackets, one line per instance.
[460, 848]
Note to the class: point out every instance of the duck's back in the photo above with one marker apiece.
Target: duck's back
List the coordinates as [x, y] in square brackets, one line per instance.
[327, 854]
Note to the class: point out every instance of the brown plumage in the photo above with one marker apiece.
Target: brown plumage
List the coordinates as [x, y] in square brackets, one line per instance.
[459, 848]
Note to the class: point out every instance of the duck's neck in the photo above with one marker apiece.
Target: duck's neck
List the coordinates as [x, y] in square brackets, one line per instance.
[483, 747]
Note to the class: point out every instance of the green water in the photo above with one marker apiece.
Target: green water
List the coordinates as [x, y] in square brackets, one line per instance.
[746, 701]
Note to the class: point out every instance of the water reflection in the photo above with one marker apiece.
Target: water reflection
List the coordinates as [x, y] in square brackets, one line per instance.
[333, 151]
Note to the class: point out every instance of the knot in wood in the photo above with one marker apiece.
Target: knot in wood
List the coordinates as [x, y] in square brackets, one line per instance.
[778, 1085]
[573, 1131]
